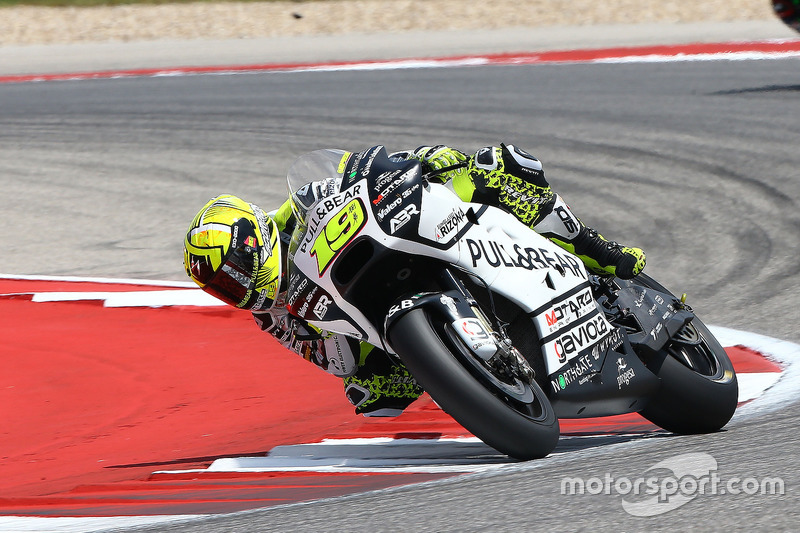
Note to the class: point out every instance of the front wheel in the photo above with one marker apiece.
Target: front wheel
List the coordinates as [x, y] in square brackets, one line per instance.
[699, 391]
[512, 416]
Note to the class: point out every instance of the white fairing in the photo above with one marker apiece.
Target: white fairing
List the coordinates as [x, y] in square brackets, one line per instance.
[514, 260]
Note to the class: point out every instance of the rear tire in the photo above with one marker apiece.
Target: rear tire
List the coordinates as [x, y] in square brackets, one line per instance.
[699, 391]
[519, 428]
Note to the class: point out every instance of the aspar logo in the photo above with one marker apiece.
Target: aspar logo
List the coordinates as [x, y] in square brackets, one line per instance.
[580, 337]
[401, 218]
[568, 311]
[496, 255]
[321, 307]
[449, 225]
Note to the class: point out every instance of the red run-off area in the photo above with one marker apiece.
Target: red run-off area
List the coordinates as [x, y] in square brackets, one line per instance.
[96, 399]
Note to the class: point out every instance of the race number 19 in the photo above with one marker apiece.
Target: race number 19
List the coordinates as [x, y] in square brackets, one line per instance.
[338, 233]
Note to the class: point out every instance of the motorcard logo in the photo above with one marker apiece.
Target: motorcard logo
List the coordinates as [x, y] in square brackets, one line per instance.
[579, 338]
[449, 225]
[392, 186]
[401, 218]
[496, 255]
[388, 209]
[567, 311]
[296, 293]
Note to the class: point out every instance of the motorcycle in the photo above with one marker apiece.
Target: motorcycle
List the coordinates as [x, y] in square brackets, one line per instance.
[505, 330]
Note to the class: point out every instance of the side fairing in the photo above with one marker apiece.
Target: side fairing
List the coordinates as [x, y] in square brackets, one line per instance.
[387, 203]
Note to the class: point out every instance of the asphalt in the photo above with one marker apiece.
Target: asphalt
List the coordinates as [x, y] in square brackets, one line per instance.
[111, 56]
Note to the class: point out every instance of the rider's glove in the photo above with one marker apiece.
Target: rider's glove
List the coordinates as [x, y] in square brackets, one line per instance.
[438, 157]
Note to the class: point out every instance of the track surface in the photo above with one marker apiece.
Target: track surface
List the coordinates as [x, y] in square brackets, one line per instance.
[695, 162]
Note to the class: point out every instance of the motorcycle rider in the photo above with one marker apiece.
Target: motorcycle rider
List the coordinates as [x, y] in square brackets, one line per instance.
[237, 252]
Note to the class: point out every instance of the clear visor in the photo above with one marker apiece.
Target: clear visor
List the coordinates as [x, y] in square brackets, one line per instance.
[308, 173]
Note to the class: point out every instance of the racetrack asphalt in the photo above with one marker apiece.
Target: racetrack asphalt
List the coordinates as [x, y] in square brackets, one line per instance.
[693, 161]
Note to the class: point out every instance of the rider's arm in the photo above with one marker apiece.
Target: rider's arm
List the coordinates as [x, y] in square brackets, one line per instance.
[504, 177]
[334, 353]
[513, 180]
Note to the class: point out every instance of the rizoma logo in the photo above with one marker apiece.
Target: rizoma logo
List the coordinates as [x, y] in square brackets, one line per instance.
[448, 225]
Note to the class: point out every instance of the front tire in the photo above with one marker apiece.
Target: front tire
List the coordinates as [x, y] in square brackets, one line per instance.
[521, 428]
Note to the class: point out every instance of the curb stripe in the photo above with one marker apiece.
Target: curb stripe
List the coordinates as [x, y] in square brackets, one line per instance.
[772, 49]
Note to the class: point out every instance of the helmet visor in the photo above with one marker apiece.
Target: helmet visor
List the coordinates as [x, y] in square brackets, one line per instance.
[233, 283]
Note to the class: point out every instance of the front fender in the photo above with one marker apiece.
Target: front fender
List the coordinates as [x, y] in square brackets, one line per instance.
[448, 304]
[454, 308]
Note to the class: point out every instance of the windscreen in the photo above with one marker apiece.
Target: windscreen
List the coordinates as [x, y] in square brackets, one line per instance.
[309, 174]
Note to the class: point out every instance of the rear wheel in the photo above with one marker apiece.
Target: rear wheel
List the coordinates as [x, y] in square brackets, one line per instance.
[509, 414]
[699, 391]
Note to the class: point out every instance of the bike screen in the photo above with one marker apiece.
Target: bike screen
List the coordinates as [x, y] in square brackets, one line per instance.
[312, 177]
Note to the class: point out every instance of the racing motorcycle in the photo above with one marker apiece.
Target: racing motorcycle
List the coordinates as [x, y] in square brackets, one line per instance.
[505, 330]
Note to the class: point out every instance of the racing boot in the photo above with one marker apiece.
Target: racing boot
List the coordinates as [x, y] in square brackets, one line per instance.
[381, 387]
[600, 256]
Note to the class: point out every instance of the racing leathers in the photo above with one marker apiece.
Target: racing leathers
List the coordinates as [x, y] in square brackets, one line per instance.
[505, 177]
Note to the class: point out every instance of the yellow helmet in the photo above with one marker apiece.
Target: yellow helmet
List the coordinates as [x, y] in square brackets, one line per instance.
[233, 251]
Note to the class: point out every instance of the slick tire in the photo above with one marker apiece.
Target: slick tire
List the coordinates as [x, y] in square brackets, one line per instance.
[699, 391]
[522, 431]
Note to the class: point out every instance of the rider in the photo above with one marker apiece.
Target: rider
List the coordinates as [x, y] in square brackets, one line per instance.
[237, 252]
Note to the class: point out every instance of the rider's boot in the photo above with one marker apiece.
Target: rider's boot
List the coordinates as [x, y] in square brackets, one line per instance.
[381, 387]
[600, 256]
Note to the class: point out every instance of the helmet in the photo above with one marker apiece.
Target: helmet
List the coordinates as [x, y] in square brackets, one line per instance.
[233, 252]
[788, 11]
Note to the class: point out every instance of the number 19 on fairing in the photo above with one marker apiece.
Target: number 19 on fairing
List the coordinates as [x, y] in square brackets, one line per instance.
[338, 233]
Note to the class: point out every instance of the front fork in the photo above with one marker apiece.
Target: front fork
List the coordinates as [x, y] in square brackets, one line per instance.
[486, 339]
